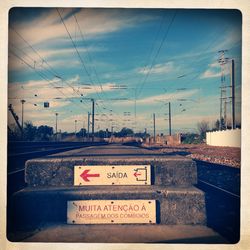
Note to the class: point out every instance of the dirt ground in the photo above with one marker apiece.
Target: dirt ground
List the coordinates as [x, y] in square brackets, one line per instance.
[221, 155]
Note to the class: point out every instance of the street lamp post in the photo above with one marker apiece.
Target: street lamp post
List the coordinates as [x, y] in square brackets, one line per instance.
[154, 125]
[88, 123]
[169, 118]
[83, 130]
[93, 119]
[75, 126]
[56, 125]
[22, 101]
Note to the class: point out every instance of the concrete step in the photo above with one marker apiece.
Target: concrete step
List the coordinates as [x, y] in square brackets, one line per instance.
[59, 171]
[174, 205]
[61, 232]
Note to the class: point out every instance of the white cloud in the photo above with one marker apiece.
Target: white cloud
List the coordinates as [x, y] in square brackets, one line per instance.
[75, 79]
[31, 88]
[54, 57]
[49, 26]
[167, 97]
[214, 65]
[231, 38]
[193, 119]
[210, 73]
[47, 29]
[58, 93]
[214, 71]
[60, 51]
[158, 69]
[159, 98]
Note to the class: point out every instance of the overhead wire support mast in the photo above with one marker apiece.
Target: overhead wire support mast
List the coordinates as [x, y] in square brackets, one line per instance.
[56, 125]
[169, 117]
[88, 123]
[22, 101]
[93, 119]
[154, 126]
[233, 93]
[223, 93]
[200, 71]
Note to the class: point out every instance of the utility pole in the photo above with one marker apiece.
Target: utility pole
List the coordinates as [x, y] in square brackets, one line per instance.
[154, 125]
[56, 125]
[15, 117]
[169, 118]
[75, 126]
[111, 121]
[88, 123]
[225, 112]
[135, 111]
[22, 101]
[83, 130]
[145, 133]
[233, 94]
[93, 119]
[223, 94]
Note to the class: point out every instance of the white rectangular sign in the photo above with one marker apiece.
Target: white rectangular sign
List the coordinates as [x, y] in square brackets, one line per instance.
[111, 212]
[112, 175]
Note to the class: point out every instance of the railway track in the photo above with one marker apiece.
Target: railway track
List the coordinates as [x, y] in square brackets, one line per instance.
[204, 183]
[220, 183]
[219, 177]
[20, 152]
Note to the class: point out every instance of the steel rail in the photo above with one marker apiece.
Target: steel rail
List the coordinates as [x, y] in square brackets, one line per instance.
[219, 188]
[44, 151]
[15, 172]
[213, 163]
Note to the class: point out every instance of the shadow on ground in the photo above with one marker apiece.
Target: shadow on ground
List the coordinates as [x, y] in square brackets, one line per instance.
[223, 213]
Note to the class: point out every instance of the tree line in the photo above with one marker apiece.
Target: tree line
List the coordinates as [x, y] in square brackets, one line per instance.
[46, 133]
[31, 133]
[203, 127]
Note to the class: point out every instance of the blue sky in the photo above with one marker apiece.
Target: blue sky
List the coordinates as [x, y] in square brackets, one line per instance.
[131, 61]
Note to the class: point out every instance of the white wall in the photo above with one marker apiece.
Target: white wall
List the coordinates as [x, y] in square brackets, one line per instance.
[230, 138]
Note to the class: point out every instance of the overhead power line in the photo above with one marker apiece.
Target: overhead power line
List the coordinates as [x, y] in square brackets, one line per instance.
[50, 69]
[78, 53]
[153, 44]
[90, 58]
[43, 76]
[40, 74]
[157, 53]
[88, 53]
